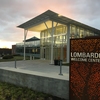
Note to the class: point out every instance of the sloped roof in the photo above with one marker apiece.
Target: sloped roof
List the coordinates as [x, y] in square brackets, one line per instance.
[32, 39]
[50, 15]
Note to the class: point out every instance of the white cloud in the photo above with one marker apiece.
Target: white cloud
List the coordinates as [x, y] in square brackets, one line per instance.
[16, 12]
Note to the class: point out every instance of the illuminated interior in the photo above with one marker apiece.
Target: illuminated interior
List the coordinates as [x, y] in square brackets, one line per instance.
[60, 40]
[42, 26]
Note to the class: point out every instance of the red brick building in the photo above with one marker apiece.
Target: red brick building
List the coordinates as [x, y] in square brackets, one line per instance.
[13, 49]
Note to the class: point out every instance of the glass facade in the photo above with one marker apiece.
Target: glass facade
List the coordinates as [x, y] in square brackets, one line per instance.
[59, 43]
[79, 32]
[32, 48]
[60, 40]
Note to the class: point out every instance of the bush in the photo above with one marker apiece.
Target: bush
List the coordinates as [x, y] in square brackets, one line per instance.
[16, 55]
[13, 92]
[8, 57]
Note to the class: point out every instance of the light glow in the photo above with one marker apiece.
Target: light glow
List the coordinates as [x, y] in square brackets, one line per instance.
[6, 44]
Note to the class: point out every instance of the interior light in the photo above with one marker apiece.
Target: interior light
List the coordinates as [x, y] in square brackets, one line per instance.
[59, 15]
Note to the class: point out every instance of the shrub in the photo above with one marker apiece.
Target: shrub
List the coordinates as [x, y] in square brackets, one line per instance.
[13, 92]
[7, 57]
[16, 55]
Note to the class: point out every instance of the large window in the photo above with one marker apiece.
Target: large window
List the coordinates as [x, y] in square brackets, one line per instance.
[60, 40]
[59, 43]
[79, 32]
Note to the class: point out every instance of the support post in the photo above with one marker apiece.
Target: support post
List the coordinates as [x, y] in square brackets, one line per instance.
[62, 49]
[52, 41]
[60, 67]
[15, 63]
[68, 43]
[25, 34]
[52, 38]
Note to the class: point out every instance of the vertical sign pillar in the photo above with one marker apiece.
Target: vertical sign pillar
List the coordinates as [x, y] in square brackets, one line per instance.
[85, 69]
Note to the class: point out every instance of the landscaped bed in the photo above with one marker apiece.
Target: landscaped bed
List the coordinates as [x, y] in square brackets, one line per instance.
[13, 58]
[12, 92]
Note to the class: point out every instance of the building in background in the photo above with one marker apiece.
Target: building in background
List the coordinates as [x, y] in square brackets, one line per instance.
[5, 51]
[32, 47]
[13, 49]
[55, 34]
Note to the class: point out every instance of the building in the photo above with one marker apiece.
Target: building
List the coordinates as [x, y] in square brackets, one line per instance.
[32, 47]
[13, 49]
[5, 51]
[55, 34]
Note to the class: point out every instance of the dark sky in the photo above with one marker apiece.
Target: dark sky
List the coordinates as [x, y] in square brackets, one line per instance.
[16, 12]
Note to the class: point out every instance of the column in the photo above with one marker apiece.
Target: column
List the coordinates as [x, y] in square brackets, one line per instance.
[62, 48]
[25, 34]
[52, 38]
[68, 43]
[52, 41]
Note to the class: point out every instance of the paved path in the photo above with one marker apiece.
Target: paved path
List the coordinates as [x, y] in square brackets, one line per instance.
[39, 66]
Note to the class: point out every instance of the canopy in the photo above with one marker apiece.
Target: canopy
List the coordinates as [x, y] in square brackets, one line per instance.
[37, 23]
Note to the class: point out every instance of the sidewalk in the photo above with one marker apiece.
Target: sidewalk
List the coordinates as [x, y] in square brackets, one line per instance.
[39, 67]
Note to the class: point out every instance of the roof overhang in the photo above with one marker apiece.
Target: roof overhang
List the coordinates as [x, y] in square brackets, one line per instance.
[37, 23]
[42, 26]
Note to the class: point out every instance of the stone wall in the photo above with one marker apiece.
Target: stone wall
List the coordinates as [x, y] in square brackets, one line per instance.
[53, 86]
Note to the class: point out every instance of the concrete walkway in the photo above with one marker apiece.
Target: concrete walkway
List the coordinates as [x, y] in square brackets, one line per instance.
[40, 67]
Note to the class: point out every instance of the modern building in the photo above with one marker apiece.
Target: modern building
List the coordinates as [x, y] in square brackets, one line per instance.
[55, 34]
[32, 47]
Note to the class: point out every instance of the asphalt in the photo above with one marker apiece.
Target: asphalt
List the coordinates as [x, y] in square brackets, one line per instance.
[37, 67]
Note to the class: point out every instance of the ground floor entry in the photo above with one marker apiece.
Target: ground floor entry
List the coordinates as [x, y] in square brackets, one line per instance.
[58, 53]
